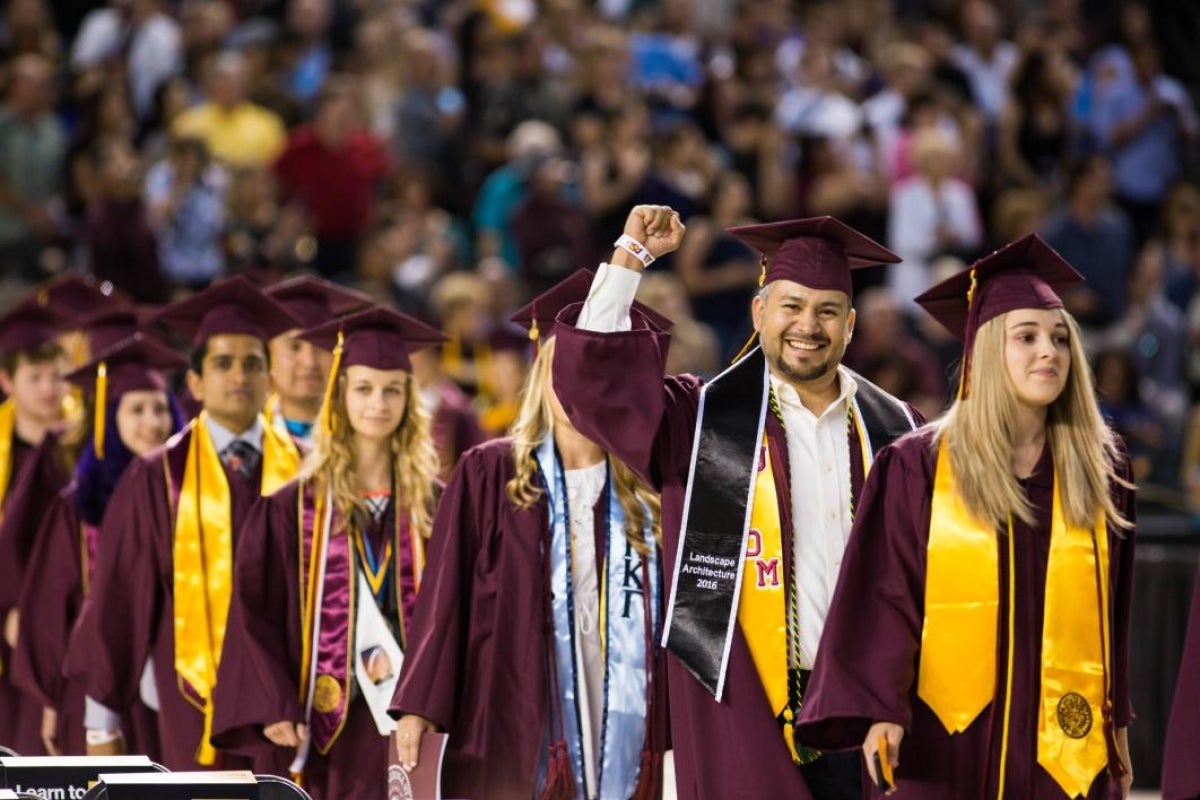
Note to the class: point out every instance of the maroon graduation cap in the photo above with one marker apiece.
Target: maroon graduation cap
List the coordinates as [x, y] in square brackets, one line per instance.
[232, 306]
[134, 364]
[539, 316]
[27, 326]
[817, 252]
[314, 301]
[1027, 273]
[376, 337]
[116, 322]
[74, 295]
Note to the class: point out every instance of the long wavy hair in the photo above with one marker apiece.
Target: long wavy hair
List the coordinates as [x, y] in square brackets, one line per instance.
[95, 477]
[981, 430]
[332, 461]
[534, 422]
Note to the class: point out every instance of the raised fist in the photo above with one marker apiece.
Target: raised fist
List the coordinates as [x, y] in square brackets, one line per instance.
[657, 227]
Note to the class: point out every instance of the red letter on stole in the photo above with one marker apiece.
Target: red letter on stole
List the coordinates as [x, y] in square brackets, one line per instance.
[767, 570]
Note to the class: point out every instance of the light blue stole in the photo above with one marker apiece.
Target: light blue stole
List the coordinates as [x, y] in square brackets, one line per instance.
[624, 644]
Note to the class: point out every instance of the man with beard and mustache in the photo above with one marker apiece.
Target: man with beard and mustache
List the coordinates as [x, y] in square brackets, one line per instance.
[759, 470]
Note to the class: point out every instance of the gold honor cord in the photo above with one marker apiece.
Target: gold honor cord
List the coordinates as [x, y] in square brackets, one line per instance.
[1008, 672]
[311, 588]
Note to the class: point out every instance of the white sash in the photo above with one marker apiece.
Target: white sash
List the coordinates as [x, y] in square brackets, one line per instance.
[375, 646]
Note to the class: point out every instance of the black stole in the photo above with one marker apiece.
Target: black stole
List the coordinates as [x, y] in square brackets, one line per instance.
[725, 450]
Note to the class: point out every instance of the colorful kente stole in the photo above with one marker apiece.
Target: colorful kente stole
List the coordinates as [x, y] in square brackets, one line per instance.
[202, 556]
[329, 597]
[957, 672]
[627, 579]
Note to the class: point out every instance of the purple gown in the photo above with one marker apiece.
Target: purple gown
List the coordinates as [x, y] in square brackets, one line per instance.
[129, 613]
[258, 681]
[455, 426]
[612, 387]
[866, 669]
[476, 659]
[1181, 759]
[50, 602]
[35, 476]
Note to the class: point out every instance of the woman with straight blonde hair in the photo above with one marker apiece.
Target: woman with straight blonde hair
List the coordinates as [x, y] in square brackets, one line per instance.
[977, 643]
[535, 645]
[328, 572]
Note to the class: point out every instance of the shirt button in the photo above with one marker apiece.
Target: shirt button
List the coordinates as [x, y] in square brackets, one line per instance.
[833, 515]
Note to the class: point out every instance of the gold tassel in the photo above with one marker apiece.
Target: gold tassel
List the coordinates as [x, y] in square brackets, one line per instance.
[746, 347]
[101, 412]
[968, 341]
[331, 386]
[535, 336]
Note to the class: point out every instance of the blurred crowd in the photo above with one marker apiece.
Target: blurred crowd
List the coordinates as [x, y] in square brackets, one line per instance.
[456, 156]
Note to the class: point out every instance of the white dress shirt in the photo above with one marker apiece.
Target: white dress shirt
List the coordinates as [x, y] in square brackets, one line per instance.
[222, 437]
[819, 461]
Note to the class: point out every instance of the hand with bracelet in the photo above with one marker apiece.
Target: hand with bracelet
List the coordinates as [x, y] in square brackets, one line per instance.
[650, 233]
[105, 743]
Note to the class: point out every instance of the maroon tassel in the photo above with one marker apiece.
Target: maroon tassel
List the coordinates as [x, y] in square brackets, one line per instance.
[650, 777]
[560, 783]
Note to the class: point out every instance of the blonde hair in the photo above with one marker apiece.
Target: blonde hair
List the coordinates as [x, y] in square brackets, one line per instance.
[535, 420]
[414, 459]
[980, 433]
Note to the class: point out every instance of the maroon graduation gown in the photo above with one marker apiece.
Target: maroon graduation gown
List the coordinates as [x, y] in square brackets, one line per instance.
[1181, 759]
[866, 669]
[258, 681]
[129, 613]
[612, 387]
[455, 425]
[50, 601]
[477, 646]
[35, 476]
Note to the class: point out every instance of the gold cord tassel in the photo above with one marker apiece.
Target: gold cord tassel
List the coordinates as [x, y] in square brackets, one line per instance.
[100, 414]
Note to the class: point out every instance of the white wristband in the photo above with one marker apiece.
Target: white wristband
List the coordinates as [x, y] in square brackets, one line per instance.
[634, 248]
[95, 737]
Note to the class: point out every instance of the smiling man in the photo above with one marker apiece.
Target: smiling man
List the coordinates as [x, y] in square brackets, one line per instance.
[164, 572]
[759, 470]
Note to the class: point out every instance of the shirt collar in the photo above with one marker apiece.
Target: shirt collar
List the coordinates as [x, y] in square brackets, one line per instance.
[222, 437]
[789, 398]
